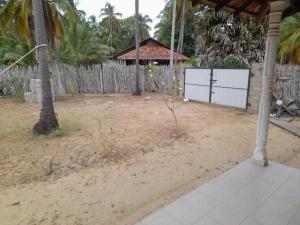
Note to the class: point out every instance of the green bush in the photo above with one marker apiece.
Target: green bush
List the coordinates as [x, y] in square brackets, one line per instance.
[14, 87]
[229, 62]
[192, 61]
[57, 133]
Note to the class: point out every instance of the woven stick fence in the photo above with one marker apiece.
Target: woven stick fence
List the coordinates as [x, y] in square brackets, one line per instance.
[96, 79]
[287, 85]
[119, 78]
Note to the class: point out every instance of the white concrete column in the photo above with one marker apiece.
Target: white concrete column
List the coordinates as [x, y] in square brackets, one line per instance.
[260, 156]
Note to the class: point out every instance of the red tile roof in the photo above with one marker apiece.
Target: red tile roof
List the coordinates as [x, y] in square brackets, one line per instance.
[150, 50]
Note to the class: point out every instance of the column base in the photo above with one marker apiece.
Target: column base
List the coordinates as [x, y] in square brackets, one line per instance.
[259, 157]
[261, 163]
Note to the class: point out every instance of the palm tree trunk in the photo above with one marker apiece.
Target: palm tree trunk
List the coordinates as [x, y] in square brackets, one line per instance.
[137, 90]
[173, 36]
[182, 26]
[47, 121]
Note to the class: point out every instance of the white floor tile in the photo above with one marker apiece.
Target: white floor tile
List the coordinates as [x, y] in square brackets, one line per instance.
[264, 216]
[245, 195]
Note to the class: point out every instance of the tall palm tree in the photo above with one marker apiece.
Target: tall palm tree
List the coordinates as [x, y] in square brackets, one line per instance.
[173, 35]
[183, 10]
[128, 28]
[47, 121]
[18, 14]
[144, 27]
[12, 49]
[290, 39]
[110, 19]
[137, 90]
[81, 45]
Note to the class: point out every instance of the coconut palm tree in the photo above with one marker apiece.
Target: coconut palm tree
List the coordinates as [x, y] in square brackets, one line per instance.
[47, 122]
[173, 35]
[111, 21]
[183, 4]
[137, 90]
[290, 39]
[144, 27]
[18, 14]
[81, 45]
[12, 49]
[128, 29]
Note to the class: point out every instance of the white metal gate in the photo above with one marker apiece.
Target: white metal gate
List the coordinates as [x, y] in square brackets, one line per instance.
[197, 84]
[220, 86]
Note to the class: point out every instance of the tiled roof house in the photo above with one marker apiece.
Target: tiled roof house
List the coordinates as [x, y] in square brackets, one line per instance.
[151, 51]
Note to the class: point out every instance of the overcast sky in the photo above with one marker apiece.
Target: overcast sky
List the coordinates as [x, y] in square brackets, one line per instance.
[126, 7]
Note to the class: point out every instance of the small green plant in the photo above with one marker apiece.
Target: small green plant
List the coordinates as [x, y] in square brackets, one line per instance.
[56, 133]
[14, 86]
[72, 88]
[110, 141]
[192, 61]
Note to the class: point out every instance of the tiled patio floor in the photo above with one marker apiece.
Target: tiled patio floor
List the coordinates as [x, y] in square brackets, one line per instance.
[245, 195]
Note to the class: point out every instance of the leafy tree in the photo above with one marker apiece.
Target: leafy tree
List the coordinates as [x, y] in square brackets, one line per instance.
[164, 27]
[18, 14]
[221, 35]
[127, 35]
[110, 23]
[81, 45]
[12, 49]
[290, 39]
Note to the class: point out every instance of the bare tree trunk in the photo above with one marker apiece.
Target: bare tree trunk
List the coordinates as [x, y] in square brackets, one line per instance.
[47, 121]
[173, 36]
[137, 90]
[182, 26]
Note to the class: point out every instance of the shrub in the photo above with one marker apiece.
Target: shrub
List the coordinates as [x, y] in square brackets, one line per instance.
[14, 86]
[229, 62]
[56, 133]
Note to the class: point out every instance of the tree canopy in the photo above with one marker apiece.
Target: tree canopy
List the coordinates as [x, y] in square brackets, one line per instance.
[201, 33]
[290, 40]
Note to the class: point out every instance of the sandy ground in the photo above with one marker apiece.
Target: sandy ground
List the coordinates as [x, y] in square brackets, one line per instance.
[117, 158]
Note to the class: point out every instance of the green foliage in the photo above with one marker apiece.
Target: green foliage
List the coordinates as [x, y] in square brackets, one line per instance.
[192, 61]
[73, 39]
[229, 62]
[127, 34]
[221, 35]
[164, 28]
[56, 133]
[81, 45]
[151, 70]
[14, 87]
[110, 141]
[118, 33]
[11, 49]
[290, 39]
[17, 16]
